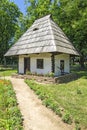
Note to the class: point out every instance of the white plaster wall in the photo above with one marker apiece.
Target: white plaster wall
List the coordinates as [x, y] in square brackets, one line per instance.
[66, 59]
[21, 65]
[46, 67]
[47, 63]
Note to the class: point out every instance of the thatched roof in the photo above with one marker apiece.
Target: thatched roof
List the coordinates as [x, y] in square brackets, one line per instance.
[43, 36]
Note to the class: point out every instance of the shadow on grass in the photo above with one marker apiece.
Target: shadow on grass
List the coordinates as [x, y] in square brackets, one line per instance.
[81, 72]
[1, 70]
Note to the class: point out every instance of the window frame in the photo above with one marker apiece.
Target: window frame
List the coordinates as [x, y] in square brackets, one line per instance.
[40, 63]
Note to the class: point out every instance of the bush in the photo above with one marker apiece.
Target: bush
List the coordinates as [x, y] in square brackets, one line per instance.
[28, 72]
[67, 118]
[51, 74]
[58, 112]
[79, 91]
[77, 127]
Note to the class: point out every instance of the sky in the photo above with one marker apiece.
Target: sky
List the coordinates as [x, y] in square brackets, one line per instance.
[20, 4]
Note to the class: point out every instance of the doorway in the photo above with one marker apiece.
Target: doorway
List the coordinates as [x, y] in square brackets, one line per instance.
[62, 66]
[26, 64]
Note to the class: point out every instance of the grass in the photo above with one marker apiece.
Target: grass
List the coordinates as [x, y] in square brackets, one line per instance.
[7, 72]
[68, 100]
[10, 116]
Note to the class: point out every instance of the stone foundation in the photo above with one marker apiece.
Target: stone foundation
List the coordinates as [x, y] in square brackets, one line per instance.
[50, 80]
[66, 78]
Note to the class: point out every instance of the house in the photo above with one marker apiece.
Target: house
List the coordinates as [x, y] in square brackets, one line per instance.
[43, 48]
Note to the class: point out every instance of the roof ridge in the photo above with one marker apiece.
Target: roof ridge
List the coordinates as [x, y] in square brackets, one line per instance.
[42, 18]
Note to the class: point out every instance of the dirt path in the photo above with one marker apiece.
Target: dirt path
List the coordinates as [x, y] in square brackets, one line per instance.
[36, 116]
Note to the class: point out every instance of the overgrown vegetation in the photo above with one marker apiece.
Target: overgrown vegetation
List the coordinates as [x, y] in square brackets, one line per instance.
[68, 100]
[10, 116]
[51, 74]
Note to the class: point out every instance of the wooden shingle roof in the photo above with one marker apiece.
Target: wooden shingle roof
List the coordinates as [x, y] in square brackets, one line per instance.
[43, 36]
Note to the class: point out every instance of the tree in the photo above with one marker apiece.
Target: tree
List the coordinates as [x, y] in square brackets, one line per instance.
[21, 28]
[9, 14]
[36, 9]
[71, 16]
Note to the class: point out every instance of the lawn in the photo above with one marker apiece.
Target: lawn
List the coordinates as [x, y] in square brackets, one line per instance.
[68, 100]
[10, 116]
[7, 72]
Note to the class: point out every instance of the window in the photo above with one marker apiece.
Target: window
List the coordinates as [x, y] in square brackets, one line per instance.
[35, 29]
[40, 63]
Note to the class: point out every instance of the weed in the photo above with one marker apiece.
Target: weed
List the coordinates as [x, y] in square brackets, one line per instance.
[67, 118]
[51, 74]
[79, 91]
[28, 72]
[47, 102]
[58, 112]
[77, 127]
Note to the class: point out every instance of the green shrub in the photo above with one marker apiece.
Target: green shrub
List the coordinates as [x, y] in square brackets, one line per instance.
[77, 127]
[67, 118]
[47, 102]
[42, 96]
[28, 72]
[58, 112]
[51, 74]
[79, 91]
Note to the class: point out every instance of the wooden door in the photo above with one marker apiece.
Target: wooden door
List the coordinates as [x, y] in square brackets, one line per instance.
[26, 64]
[62, 66]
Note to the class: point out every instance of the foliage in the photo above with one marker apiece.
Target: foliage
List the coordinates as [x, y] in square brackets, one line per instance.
[64, 97]
[72, 18]
[9, 14]
[67, 118]
[28, 72]
[10, 116]
[21, 28]
[36, 9]
[51, 74]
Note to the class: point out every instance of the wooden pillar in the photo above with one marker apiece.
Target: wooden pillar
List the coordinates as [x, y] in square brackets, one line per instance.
[53, 62]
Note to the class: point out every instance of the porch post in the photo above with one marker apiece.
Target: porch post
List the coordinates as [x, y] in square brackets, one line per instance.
[53, 62]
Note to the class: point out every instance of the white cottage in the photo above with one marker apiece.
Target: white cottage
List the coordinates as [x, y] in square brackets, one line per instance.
[43, 49]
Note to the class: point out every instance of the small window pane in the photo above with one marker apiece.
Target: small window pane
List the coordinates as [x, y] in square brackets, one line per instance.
[40, 63]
